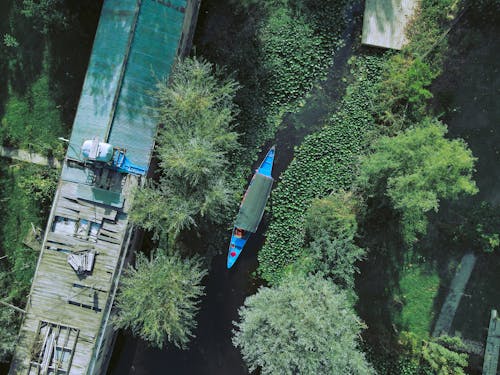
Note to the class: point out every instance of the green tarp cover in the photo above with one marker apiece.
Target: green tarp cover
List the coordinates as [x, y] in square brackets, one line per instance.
[134, 48]
[254, 202]
[93, 194]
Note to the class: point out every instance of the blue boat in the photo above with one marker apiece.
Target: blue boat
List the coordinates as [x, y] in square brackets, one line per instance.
[251, 208]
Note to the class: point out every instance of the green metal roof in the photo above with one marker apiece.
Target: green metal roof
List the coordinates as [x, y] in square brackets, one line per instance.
[254, 203]
[135, 46]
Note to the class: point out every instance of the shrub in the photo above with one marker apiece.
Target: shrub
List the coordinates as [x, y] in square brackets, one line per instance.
[302, 326]
[335, 215]
[167, 312]
[33, 121]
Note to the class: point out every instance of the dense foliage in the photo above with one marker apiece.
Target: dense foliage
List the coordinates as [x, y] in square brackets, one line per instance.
[279, 50]
[17, 217]
[329, 249]
[197, 111]
[26, 191]
[9, 326]
[416, 169]
[325, 162]
[45, 14]
[167, 312]
[302, 326]
[335, 214]
[292, 55]
[32, 121]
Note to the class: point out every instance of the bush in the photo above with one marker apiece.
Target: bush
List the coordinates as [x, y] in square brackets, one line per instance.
[302, 326]
[335, 215]
[403, 92]
[167, 312]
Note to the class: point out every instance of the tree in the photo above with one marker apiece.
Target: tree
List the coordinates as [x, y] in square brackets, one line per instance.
[305, 325]
[416, 169]
[158, 298]
[197, 111]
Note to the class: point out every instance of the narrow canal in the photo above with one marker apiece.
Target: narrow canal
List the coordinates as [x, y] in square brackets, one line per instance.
[212, 352]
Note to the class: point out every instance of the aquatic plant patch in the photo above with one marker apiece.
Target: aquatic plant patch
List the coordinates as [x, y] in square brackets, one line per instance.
[326, 161]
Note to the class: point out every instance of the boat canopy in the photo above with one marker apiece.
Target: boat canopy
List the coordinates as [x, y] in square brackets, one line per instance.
[254, 202]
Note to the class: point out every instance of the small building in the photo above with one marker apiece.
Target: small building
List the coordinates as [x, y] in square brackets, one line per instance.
[66, 328]
[385, 22]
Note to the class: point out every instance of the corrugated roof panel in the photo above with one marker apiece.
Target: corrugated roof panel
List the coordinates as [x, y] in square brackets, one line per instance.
[103, 75]
[152, 55]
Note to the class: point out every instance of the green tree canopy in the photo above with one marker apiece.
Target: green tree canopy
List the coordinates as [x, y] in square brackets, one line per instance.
[197, 110]
[158, 299]
[416, 169]
[301, 326]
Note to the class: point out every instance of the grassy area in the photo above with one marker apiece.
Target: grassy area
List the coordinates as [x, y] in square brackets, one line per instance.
[419, 285]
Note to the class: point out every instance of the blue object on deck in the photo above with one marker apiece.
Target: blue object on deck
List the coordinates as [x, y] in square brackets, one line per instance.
[122, 164]
[251, 208]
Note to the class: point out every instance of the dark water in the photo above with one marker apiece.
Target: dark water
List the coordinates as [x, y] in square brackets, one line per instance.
[468, 92]
[212, 352]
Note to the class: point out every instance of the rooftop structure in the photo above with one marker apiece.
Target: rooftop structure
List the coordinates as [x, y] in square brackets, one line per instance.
[385, 22]
[66, 327]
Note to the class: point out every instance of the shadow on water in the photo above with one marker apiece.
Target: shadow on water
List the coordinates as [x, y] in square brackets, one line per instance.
[212, 352]
[467, 93]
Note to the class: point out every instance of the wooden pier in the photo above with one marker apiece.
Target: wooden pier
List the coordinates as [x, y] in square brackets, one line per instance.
[490, 364]
[66, 328]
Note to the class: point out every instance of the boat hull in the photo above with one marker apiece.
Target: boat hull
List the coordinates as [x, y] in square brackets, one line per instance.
[236, 247]
[239, 238]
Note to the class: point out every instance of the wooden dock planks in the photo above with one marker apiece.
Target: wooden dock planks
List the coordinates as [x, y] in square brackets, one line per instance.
[61, 296]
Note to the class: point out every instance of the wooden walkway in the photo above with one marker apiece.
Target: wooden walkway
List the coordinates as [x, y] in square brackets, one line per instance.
[69, 306]
[491, 352]
[28, 157]
[457, 287]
